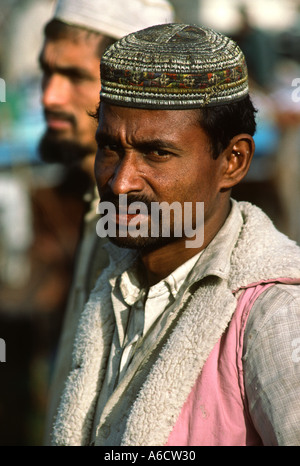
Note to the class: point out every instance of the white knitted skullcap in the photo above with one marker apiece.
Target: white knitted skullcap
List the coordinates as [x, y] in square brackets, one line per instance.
[115, 18]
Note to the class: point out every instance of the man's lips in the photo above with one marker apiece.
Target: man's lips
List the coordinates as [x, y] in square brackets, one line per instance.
[58, 124]
[125, 218]
[59, 121]
[126, 208]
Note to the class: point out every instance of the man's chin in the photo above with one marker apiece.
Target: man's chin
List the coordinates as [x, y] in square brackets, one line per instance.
[142, 244]
[63, 151]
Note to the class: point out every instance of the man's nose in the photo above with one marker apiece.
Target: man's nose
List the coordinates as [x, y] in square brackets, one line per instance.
[127, 177]
[55, 91]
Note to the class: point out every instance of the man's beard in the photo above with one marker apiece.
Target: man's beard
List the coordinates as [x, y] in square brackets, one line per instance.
[63, 151]
[142, 243]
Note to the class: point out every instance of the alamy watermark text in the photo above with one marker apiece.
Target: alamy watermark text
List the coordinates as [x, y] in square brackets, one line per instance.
[296, 92]
[2, 350]
[2, 90]
[135, 220]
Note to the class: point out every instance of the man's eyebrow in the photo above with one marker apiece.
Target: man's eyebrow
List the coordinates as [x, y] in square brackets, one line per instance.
[156, 143]
[71, 71]
[143, 145]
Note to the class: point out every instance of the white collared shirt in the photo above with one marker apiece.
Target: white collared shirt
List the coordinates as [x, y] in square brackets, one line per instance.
[143, 309]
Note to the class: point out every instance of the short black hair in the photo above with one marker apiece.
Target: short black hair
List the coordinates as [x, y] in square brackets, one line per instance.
[56, 29]
[222, 122]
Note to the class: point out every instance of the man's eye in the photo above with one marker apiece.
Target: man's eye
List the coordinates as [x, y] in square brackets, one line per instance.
[105, 145]
[111, 147]
[159, 153]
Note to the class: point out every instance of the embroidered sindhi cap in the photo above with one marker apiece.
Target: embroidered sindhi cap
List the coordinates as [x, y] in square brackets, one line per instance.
[173, 66]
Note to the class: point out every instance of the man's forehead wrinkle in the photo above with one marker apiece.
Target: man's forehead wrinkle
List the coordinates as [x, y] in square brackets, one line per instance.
[106, 112]
[125, 132]
[152, 129]
[111, 125]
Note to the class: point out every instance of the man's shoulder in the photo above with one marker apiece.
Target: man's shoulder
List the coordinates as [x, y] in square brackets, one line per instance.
[280, 296]
[261, 252]
[271, 364]
[276, 311]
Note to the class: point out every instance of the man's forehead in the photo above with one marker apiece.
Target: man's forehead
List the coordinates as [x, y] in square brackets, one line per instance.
[156, 119]
[146, 125]
[76, 39]
[63, 53]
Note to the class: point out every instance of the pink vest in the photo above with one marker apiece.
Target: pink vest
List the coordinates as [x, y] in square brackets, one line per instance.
[216, 412]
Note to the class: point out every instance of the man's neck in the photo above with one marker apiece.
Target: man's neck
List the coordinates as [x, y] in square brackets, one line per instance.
[162, 262]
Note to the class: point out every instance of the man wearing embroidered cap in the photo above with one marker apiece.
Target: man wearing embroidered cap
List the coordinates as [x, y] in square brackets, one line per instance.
[178, 345]
[75, 39]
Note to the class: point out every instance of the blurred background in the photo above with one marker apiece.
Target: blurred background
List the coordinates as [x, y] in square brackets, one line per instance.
[41, 208]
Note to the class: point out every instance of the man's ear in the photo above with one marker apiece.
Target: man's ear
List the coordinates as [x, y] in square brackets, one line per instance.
[237, 158]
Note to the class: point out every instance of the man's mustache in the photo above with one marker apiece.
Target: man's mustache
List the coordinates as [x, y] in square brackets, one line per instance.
[59, 115]
[114, 199]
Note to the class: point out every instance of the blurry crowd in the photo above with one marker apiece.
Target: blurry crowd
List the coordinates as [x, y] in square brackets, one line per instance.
[41, 205]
